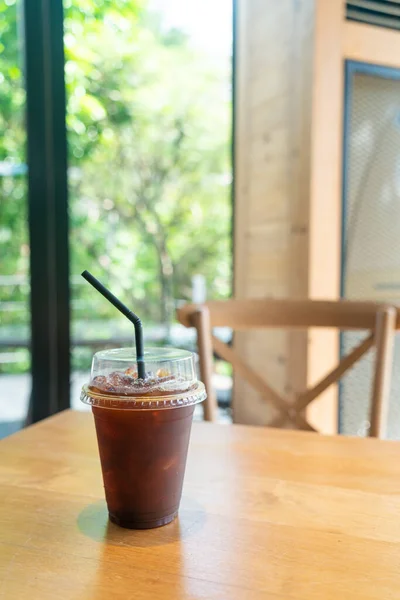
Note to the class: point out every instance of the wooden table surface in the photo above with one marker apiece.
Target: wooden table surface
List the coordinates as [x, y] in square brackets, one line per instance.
[265, 514]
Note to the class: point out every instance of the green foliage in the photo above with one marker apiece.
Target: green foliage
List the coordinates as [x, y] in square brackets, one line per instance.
[148, 135]
[14, 251]
[148, 125]
[13, 233]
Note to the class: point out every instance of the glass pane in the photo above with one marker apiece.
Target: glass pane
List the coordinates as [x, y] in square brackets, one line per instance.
[14, 249]
[149, 126]
[372, 231]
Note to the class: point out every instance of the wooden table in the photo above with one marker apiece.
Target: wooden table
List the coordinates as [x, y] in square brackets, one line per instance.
[265, 514]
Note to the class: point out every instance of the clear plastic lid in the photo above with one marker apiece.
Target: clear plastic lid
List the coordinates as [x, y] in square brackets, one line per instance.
[171, 379]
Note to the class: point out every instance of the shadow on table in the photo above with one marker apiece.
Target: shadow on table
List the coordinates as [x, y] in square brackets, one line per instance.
[93, 522]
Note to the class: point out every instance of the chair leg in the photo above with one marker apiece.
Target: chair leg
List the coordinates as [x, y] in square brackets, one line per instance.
[384, 341]
[201, 321]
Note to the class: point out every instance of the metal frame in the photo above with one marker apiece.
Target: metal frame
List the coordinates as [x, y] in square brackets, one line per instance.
[352, 68]
[235, 11]
[48, 207]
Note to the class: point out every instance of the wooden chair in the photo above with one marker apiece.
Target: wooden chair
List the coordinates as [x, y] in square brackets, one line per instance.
[381, 320]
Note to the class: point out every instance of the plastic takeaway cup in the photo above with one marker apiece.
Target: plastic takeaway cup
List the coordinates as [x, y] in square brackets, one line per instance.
[143, 429]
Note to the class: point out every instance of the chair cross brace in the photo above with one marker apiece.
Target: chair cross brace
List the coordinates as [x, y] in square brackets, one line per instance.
[291, 411]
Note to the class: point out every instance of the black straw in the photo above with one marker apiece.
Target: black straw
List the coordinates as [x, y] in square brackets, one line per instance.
[137, 323]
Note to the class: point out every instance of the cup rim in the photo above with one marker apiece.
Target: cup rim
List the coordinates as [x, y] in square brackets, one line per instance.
[151, 354]
[186, 398]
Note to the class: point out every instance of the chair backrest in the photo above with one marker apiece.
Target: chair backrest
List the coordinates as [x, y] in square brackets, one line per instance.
[381, 320]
